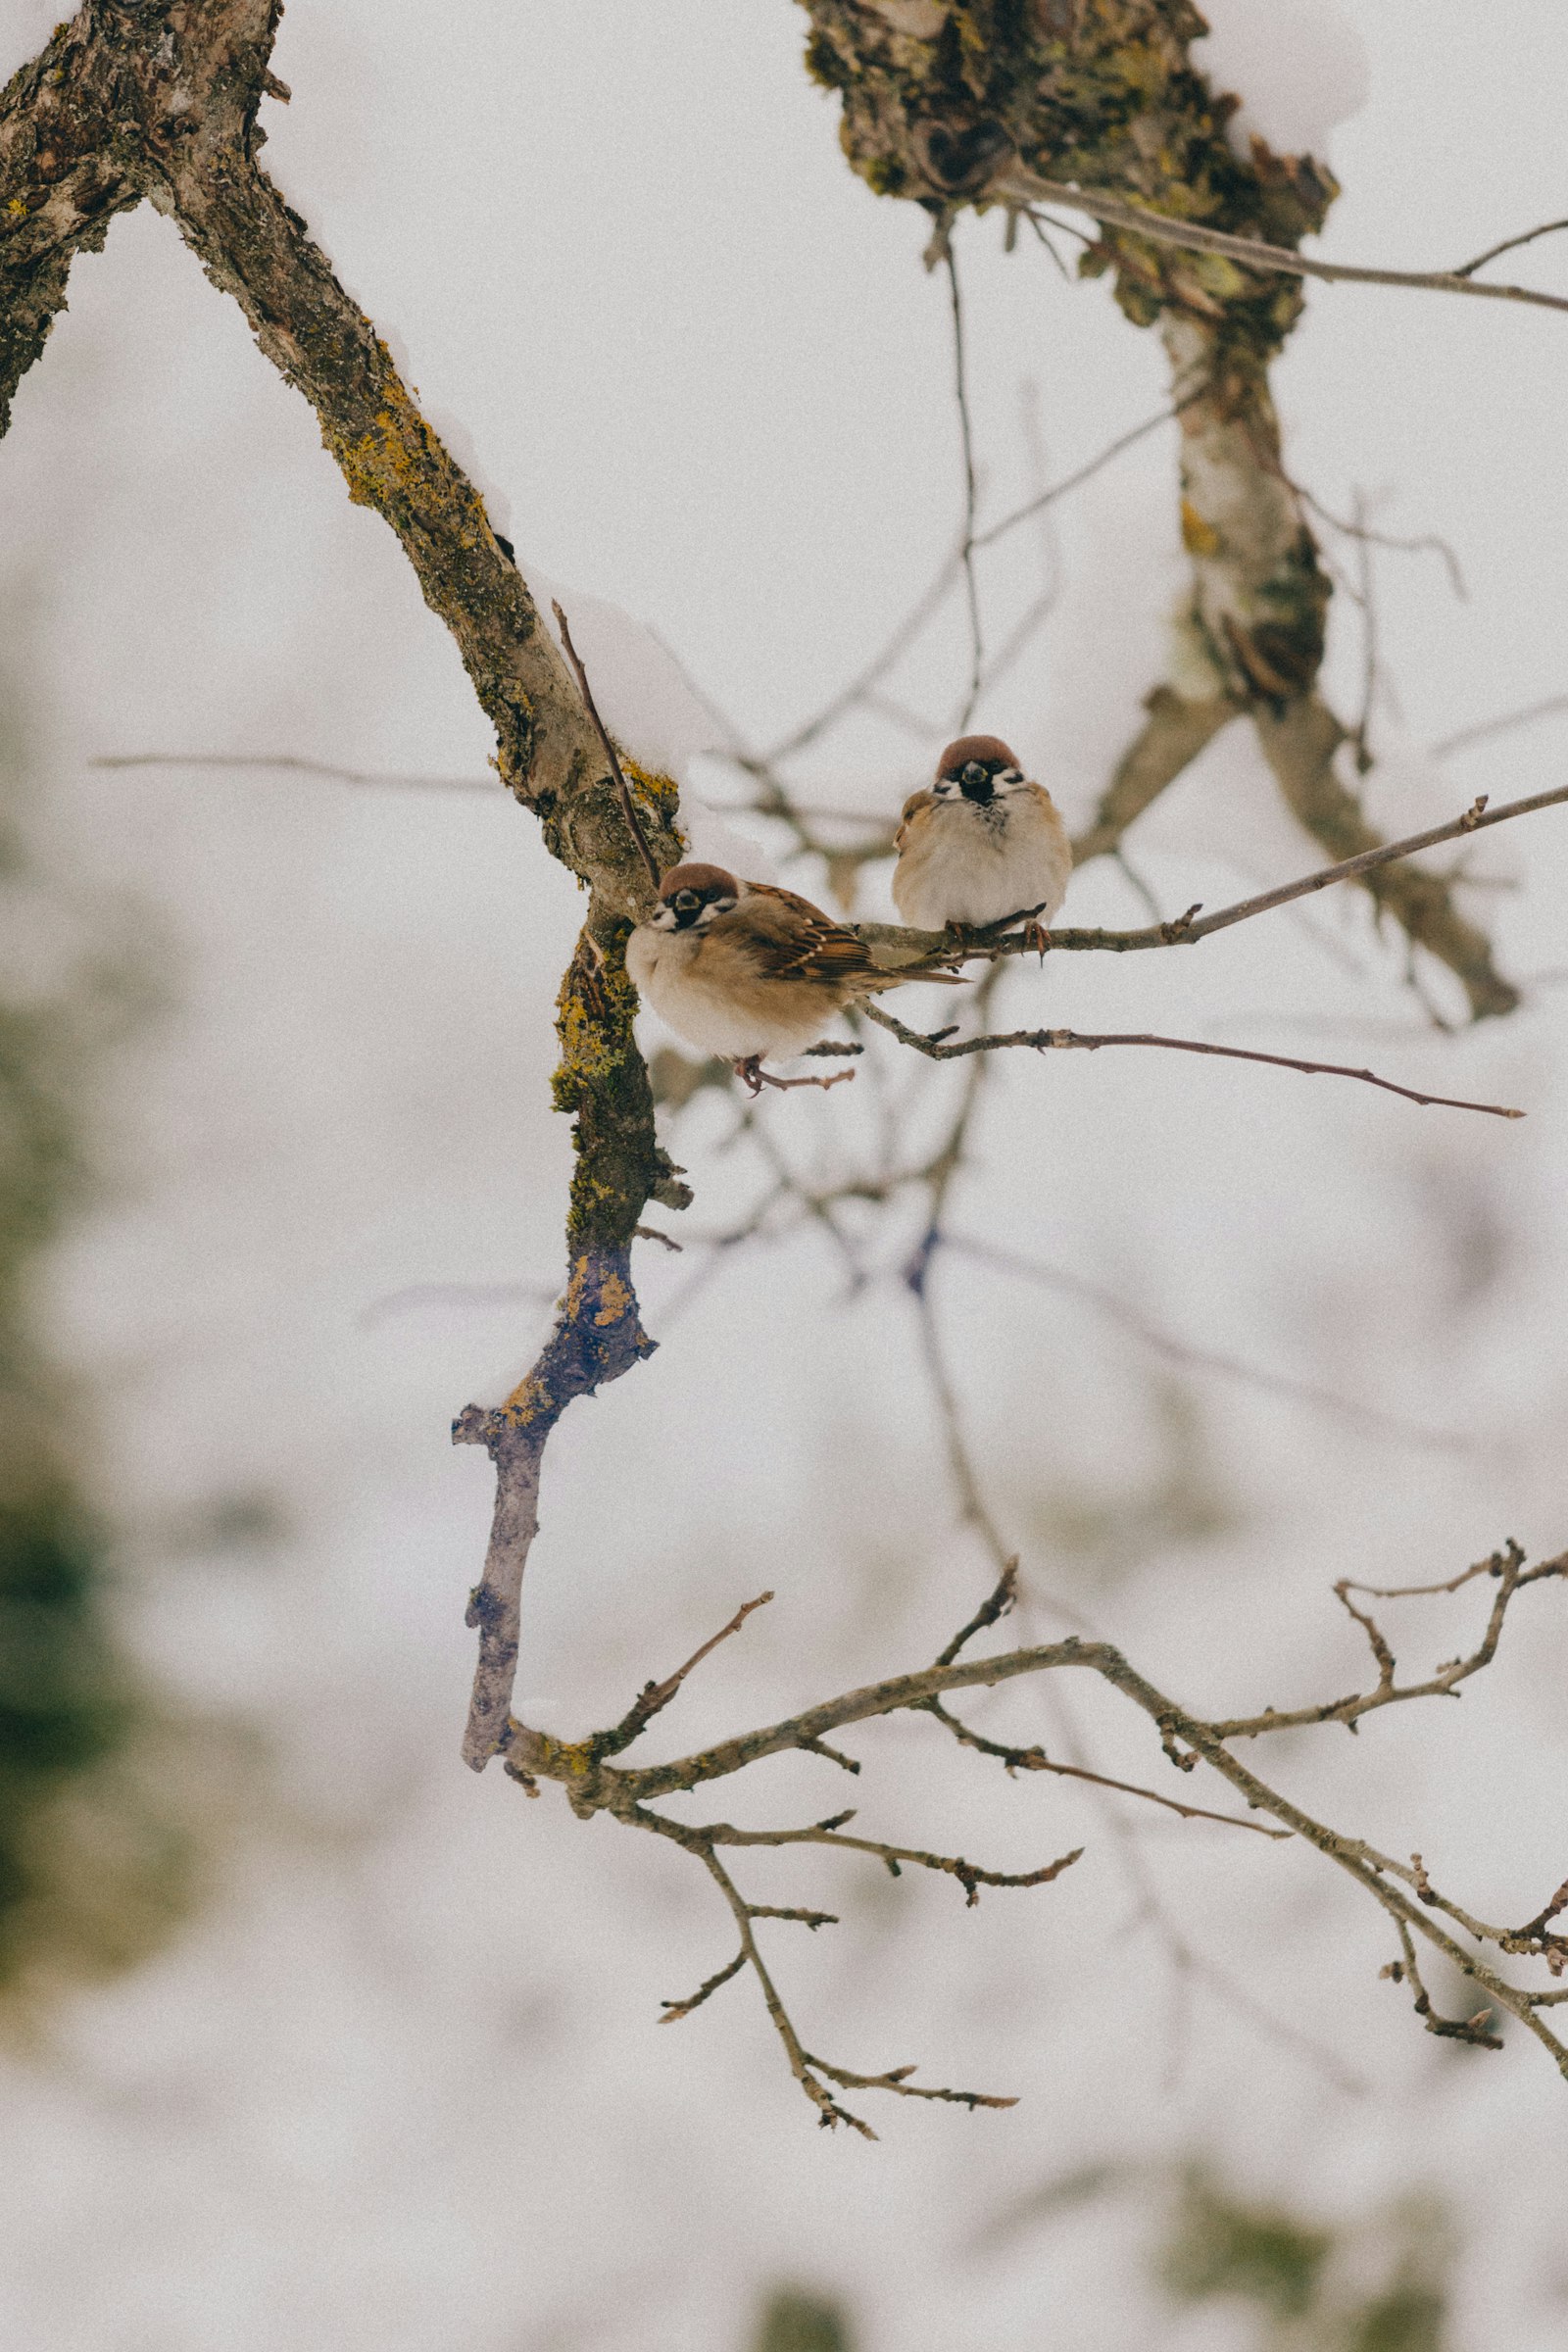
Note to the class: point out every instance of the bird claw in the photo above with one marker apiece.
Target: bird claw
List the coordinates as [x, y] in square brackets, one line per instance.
[1034, 939]
[754, 1077]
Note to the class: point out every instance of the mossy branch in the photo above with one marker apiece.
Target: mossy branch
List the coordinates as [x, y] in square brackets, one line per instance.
[161, 102]
[979, 104]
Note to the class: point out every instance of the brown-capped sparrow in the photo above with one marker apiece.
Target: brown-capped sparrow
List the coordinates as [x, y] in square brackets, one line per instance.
[981, 844]
[748, 972]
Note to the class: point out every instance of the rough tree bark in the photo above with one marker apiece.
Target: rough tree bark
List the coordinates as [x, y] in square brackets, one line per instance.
[158, 99]
[957, 104]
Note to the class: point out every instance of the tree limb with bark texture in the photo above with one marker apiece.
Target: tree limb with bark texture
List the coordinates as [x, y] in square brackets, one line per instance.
[959, 105]
[158, 100]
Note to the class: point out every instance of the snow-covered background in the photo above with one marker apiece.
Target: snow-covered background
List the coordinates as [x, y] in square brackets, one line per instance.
[399, 2087]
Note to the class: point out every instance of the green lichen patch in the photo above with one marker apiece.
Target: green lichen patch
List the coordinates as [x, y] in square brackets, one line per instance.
[1103, 94]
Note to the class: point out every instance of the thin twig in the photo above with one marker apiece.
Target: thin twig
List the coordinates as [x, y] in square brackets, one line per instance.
[1488, 729]
[1473, 2030]
[1022, 186]
[1042, 1041]
[655, 1696]
[1508, 1570]
[1475, 820]
[897, 643]
[289, 764]
[997, 1603]
[1035, 1759]
[628, 805]
[898, 2078]
[1423, 543]
[971, 587]
[1083, 473]
[1547, 228]
[1203, 1359]
[1361, 732]
[675, 2010]
[911, 949]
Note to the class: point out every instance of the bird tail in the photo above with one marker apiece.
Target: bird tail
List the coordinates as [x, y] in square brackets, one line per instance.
[874, 986]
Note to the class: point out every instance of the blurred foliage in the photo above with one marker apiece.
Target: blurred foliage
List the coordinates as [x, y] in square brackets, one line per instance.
[793, 2321]
[1106, 1530]
[1308, 2283]
[89, 1872]
[1259, 2253]
[1378, 2282]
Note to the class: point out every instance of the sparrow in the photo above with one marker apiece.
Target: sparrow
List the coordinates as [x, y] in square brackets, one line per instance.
[980, 844]
[748, 972]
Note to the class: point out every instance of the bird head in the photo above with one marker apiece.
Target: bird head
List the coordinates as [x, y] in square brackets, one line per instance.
[975, 769]
[691, 896]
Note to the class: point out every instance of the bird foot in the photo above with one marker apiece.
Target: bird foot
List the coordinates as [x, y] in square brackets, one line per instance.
[754, 1077]
[1035, 940]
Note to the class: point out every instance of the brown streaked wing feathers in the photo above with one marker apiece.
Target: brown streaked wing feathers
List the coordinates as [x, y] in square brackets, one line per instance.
[791, 939]
[916, 800]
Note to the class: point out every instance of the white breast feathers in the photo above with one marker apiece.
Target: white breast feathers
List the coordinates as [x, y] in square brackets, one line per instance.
[963, 863]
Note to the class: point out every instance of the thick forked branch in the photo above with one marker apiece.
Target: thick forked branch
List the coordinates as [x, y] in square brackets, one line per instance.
[159, 99]
[62, 182]
[1104, 110]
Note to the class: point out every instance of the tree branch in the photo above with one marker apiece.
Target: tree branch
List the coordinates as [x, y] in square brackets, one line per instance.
[904, 949]
[1042, 1041]
[655, 1696]
[171, 93]
[1018, 186]
[1404, 1892]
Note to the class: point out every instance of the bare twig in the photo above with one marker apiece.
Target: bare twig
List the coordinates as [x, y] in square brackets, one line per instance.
[628, 805]
[1086, 472]
[996, 1604]
[1204, 1359]
[971, 588]
[1528, 236]
[655, 1696]
[1185, 930]
[897, 643]
[810, 2071]
[675, 2010]
[1487, 729]
[286, 762]
[1035, 1759]
[1473, 2030]
[1508, 1570]
[1422, 543]
[1404, 1892]
[1042, 1041]
[1016, 185]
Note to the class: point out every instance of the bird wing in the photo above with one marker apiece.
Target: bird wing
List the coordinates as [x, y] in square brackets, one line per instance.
[790, 939]
[1045, 804]
[915, 802]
